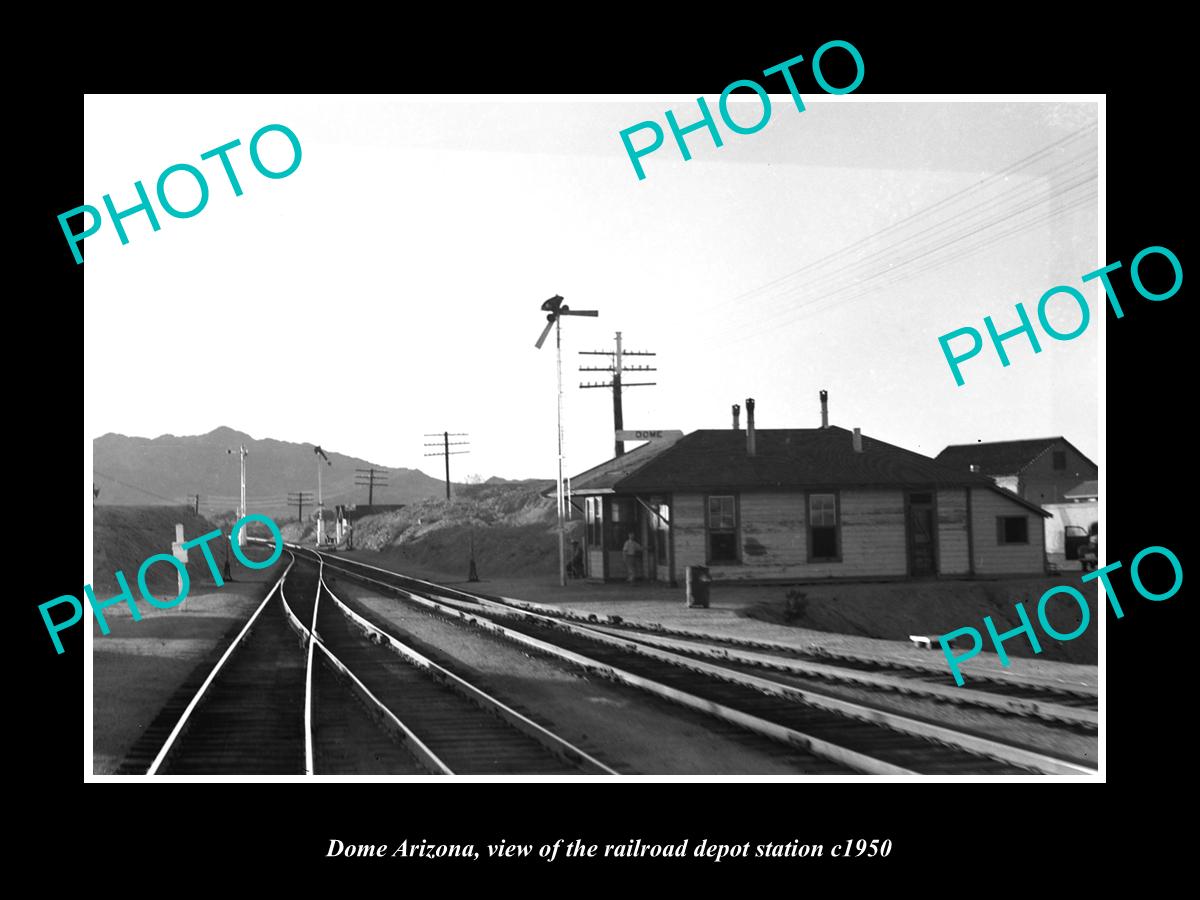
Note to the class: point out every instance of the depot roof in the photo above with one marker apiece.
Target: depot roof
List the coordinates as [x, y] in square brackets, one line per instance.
[602, 478]
[790, 458]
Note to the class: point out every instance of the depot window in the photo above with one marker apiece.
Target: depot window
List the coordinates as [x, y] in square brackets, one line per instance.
[824, 537]
[722, 529]
[1012, 529]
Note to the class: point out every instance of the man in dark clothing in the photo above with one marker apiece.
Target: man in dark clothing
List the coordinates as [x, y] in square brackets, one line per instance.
[575, 566]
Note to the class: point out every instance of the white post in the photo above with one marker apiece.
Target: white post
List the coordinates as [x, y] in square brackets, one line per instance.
[242, 504]
[182, 555]
[562, 525]
[320, 505]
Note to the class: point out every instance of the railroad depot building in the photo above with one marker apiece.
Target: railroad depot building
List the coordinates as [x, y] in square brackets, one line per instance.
[797, 504]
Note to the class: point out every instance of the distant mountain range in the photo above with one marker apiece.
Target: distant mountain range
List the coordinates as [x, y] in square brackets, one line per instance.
[169, 470]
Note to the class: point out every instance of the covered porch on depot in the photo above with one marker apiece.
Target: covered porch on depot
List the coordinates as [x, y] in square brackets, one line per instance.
[610, 519]
[611, 514]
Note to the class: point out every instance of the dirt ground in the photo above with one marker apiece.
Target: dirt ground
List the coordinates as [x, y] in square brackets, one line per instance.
[124, 536]
[895, 611]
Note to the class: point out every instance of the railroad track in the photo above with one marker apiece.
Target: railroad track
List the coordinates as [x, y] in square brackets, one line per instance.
[1057, 704]
[453, 725]
[277, 701]
[1015, 688]
[863, 737]
[243, 716]
[1054, 706]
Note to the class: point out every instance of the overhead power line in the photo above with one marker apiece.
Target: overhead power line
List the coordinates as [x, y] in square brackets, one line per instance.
[446, 452]
[908, 275]
[996, 177]
[173, 500]
[965, 220]
[300, 498]
[931, 241]
[369, 478]
[617, 368]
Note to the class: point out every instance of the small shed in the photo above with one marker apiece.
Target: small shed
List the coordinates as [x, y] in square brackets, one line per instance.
[1039, 469]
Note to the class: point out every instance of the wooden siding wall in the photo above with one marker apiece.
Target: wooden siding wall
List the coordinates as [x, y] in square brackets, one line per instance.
[994, 558]
[687, 521]
[1042, 483]
[953, 554]
[773, 536]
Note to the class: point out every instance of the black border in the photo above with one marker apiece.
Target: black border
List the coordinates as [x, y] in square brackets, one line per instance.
[963, 831]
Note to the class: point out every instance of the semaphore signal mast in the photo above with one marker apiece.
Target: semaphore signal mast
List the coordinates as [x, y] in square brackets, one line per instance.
[556, 309]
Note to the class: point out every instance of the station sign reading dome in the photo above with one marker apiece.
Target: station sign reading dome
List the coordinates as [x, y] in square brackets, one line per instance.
[649, 435]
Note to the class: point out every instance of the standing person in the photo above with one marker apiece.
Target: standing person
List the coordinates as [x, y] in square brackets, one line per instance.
[575, 569]
[630, 551]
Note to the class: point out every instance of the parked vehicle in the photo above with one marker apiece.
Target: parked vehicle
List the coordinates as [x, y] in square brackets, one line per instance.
[1075, 539]
[1090, 552]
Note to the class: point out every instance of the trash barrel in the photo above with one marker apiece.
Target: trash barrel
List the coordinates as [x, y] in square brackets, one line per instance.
[698, 581]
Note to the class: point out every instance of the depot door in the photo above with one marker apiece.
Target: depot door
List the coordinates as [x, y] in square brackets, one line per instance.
[620, 523]
[922, 535]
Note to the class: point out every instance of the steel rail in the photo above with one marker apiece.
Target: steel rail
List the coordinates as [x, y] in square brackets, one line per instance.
[195, 701]
[974, 744]
[416, 745]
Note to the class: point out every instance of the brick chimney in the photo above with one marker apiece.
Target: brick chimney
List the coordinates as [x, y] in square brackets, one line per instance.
[737, 411]
[824, 409]
[858, 440]
[750, 426]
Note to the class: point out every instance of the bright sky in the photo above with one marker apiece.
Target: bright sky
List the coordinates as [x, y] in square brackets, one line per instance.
[391, 286]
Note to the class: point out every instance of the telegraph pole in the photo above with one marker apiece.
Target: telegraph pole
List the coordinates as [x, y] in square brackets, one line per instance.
[446, 444]
[368, 478]
[300, 498]
[616, 368]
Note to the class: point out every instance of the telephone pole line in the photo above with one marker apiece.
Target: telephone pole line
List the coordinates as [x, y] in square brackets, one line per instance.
[616, 368]
[446, 444]
[300, 498]
[368, 478]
